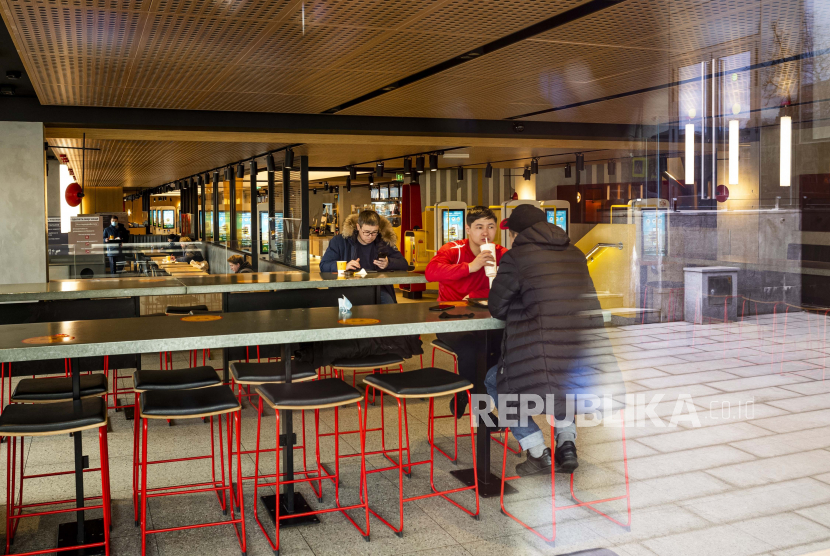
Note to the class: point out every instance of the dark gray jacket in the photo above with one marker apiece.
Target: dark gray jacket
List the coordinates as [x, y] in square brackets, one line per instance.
[554, 332]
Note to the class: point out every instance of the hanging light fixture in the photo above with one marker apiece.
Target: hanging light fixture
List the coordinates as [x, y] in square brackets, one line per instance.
[786, 150]
[488, 171]
[371, 179]
[433, 162]
[326, 186]
[580, 162]
[227, 173]
[314, 191]
[567, 169]
[419, 164]
[407, 166]
[690, 154]
[534, 165]
[289, 159]
[352, 172]
[348, 184]
[526, 174]
[269, 163]
[734, 150]
[460, 175]
[379, 169]
[240, 170]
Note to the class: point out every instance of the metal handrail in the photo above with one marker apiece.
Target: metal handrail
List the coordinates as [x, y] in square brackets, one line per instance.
[599, 246]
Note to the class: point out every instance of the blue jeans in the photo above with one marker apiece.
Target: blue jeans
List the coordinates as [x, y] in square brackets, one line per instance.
[531, 435]
[385, 298]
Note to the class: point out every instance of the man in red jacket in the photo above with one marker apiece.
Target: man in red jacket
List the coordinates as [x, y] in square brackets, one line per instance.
[458, 267]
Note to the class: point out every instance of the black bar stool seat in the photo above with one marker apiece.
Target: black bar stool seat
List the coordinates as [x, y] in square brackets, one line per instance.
[147, 380]
[443, 346]
[184, 310]
[420, 383]
[261, 373]
[62, 417]
[180, 404]
[368, 362]
[319, 394]
[46, 390]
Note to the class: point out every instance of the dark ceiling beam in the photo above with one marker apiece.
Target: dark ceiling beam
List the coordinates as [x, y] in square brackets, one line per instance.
[82, 117]
[569, 16]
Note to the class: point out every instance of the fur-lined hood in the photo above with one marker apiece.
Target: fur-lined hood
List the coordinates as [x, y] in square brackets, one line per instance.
[387, 232]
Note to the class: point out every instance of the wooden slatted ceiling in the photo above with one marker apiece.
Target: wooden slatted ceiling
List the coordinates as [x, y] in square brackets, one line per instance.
[150, 163]
[142, 164]
[190, 54]
[634, 45]
[258, 56]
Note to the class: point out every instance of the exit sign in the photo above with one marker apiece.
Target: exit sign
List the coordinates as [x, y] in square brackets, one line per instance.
[399, 177]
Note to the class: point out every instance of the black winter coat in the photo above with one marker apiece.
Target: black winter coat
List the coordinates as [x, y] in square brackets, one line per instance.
[545, 293]
[321, 354]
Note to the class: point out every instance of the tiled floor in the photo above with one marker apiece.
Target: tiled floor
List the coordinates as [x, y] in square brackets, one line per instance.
[750, 475]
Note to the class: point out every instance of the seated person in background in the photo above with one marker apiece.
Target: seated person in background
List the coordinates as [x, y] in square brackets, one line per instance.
[458, 267]
[173, 247]
[191, 252]
[367, 240]
[239, 265]
[545, 293]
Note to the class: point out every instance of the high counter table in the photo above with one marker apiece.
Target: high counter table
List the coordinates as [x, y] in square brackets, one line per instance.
[284, 327]
[97, 288]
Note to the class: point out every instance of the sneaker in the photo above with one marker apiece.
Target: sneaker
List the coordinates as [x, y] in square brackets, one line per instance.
[532, 465]
[565, 457]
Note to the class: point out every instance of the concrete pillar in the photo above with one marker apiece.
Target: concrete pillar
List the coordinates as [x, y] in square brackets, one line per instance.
[53, 187]
[23, 210]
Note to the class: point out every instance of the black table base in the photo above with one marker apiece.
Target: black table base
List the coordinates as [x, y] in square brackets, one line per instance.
[93, 533]
[300, 507]
[488, 487]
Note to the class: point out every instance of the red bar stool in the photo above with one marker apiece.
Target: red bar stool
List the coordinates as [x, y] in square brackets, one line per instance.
[270, 355]
[422, 383]
[438, 345]
[151, 380]
[302, 396]
[366, 366]
[258, 374]
[21, 420]
[57, 389]
[215, 401]
[369, 365]
[579, 503]
[55, 367]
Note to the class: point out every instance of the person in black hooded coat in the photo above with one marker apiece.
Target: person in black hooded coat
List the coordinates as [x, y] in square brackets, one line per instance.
[545, 293]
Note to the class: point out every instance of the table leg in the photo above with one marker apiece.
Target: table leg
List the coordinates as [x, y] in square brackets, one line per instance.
[80, 531]
[291, 502]
[489, 484]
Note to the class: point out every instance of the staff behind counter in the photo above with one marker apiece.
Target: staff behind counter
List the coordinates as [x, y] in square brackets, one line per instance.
[367, 241]
[115, 234]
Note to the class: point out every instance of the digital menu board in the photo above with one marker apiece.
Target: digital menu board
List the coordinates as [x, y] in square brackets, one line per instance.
[558, 217]
[453, 225]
